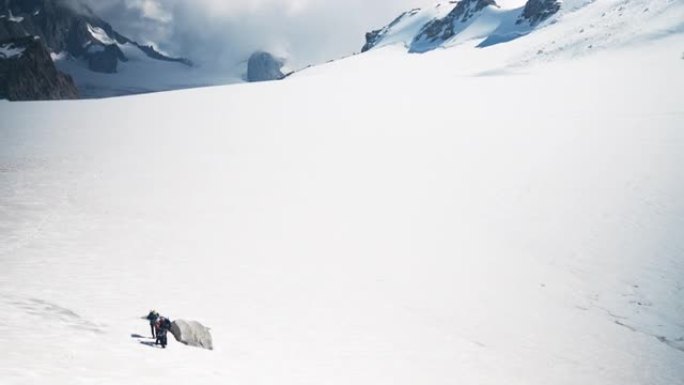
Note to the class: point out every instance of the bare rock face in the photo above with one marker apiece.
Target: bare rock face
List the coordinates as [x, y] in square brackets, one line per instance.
[52, 20]
[536, 11]
[466, 9]
[106, 60]
[438, 31]
[28, 73]
[262, 66]
[192, 333]
[372, 39]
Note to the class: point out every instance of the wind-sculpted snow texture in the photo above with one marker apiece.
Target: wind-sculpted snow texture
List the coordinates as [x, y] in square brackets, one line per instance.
[509, 215]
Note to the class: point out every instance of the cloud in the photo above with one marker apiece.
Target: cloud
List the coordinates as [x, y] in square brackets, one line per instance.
[226, 32]
[151, 10]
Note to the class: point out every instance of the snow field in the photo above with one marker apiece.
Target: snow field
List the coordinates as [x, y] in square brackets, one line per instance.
[384, 219]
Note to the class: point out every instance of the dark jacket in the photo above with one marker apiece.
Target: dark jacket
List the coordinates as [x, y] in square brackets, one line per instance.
[163, 326]
[152, 317]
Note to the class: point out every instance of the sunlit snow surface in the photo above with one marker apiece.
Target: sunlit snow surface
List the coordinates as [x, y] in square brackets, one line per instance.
[384, 219]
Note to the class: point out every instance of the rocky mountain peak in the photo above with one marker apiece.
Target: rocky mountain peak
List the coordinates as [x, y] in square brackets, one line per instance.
[28, 73]
[536, 11]
[441, 30]
[71, 27]
[466, 9]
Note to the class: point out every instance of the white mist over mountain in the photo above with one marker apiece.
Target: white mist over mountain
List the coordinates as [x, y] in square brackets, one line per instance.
[223, 33]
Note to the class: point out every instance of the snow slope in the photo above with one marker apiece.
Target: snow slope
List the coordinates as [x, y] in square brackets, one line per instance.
[495, 218]
[579, 22]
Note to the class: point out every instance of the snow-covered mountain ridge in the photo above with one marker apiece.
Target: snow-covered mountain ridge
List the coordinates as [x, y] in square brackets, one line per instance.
[488, 22]
[102, 61]
[71, 28]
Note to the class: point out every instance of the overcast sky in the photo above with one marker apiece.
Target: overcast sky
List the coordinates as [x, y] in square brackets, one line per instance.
[225, 32]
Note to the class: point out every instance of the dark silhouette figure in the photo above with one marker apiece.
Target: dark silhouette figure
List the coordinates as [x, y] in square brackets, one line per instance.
[153, 317]
[163, 327]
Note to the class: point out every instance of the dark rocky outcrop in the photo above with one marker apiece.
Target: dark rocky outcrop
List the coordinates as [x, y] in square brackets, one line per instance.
[31, 74]
[536, 11]
[440, 30]
[262, 66]
[372, 39]
[51, 20]
[465, 9]
[192, 333]
[106, 60]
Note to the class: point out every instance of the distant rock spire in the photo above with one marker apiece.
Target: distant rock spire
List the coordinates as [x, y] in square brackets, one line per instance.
[263, 66]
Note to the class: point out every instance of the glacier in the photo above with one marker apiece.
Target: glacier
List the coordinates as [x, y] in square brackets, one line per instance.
[502, 215]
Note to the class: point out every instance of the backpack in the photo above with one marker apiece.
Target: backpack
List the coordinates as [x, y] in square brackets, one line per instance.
[166, 324]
